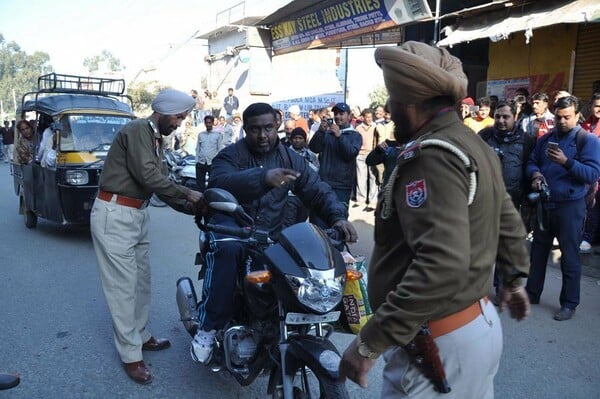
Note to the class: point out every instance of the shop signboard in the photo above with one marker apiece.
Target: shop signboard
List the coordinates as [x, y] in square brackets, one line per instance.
[336, 21]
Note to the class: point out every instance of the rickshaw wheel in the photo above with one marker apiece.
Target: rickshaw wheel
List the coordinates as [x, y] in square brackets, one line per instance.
[30, 219]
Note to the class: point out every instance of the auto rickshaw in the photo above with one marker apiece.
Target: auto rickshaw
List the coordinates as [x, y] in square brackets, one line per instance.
[83, 114]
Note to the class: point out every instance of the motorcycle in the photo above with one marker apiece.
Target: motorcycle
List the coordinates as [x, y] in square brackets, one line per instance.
[282, 327]
[182, 170]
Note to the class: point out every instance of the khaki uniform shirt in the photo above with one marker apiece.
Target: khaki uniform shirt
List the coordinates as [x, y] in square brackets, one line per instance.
[435, 254]
[133, 167]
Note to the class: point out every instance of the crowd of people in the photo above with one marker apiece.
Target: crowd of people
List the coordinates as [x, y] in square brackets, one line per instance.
[550, 156]
[354, 150]
[549, 165]
[454, 184]
[342, 162]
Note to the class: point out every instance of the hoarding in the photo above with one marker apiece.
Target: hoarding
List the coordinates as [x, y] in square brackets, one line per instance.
[336, 21]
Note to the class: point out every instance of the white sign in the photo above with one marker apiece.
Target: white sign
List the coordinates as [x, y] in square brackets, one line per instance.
[505, 89]
[310, 102]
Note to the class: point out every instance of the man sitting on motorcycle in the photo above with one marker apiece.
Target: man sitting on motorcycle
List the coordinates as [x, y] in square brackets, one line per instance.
[259, 171]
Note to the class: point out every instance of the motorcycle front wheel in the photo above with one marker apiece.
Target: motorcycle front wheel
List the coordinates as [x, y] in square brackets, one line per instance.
[310, 383]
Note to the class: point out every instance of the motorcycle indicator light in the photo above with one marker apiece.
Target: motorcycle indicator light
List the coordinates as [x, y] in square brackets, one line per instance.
[353, 275]
[259, 277]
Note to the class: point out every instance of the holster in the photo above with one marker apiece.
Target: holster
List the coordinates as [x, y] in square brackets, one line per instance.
[424, 355]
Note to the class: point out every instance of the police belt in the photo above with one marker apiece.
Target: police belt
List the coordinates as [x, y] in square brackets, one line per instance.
[456, 320]
[122, 200]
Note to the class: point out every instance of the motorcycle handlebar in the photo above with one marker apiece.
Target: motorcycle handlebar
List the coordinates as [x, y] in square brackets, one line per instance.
[241, 232]
[336, 237]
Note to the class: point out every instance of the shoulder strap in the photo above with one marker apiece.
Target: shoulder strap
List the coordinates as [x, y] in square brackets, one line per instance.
[387, 204]
[462, 156]
[580, 139]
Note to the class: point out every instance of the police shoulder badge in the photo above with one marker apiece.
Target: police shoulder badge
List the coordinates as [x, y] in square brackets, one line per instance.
[416, 193]
[409, 152]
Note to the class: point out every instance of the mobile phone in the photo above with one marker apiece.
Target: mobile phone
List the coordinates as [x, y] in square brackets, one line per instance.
[329, 121]
[552, 145]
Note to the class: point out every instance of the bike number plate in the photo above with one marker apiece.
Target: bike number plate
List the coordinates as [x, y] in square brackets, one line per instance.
[308, 318]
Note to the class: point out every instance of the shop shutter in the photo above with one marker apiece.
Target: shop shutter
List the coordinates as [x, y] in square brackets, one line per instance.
[587, 61]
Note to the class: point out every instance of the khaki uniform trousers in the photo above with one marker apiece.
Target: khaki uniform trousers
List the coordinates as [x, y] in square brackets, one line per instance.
[471, 357]
[120, 237]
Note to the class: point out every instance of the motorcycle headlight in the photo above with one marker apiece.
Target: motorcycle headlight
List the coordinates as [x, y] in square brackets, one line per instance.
[321, 292]
[76, 177]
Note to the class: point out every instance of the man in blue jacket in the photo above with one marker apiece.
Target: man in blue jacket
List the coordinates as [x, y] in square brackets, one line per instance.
[338, 145]
[568, 168]
[259, 171]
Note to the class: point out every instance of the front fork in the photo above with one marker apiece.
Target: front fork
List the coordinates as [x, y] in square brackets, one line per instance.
[287, 380]
[299, 351]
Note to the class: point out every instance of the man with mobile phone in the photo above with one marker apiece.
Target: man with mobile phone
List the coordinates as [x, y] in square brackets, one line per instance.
[562, 166]
[338, 145]
[480, 115]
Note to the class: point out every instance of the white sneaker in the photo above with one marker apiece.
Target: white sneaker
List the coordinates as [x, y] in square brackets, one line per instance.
[585, 246]
[202, 345]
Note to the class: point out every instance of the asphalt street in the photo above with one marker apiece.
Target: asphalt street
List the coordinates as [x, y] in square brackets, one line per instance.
[55, 328]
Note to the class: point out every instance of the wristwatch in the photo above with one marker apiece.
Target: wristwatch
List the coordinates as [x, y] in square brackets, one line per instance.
[365, 351]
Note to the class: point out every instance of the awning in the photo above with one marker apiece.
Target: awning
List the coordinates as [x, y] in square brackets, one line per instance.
[498, 25]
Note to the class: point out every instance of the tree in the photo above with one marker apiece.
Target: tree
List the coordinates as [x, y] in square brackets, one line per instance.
[142, 94]
[93, 63]
[378, 97]
[19, 74]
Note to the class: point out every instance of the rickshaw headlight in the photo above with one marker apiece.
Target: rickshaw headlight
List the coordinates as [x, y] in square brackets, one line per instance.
[77, 177]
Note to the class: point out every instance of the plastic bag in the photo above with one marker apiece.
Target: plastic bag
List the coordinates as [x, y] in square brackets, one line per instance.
[355, 308]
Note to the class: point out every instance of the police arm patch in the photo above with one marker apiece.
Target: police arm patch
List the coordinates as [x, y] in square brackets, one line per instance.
[416, 193]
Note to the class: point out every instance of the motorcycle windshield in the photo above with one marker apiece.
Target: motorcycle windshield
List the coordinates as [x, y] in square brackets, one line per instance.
[308, 246]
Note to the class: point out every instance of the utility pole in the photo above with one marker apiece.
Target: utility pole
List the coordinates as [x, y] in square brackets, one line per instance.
[436, 23]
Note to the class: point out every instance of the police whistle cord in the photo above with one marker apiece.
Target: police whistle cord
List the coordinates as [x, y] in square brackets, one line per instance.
[387, 206]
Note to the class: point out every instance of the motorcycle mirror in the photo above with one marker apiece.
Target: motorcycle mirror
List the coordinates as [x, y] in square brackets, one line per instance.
[228, 207]
[222, 200]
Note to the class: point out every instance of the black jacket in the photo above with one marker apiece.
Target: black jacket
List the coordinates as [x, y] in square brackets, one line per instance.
[337, 156]
[513, 151]
[243, 174]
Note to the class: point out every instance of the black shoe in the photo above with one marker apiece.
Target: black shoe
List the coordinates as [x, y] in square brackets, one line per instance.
[368, 209]
[564, 314]
[8, 381]
[355, 205]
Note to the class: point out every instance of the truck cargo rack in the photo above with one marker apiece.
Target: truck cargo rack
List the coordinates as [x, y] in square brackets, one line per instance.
[58, 83]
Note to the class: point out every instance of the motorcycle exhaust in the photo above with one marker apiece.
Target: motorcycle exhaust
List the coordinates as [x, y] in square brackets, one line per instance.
[187, 302]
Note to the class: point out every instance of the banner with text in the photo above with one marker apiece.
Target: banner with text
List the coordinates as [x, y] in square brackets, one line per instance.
[342, 20]
[308, 103]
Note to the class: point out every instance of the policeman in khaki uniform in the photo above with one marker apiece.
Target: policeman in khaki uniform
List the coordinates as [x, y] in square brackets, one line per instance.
[119, 224]
[442, 223]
